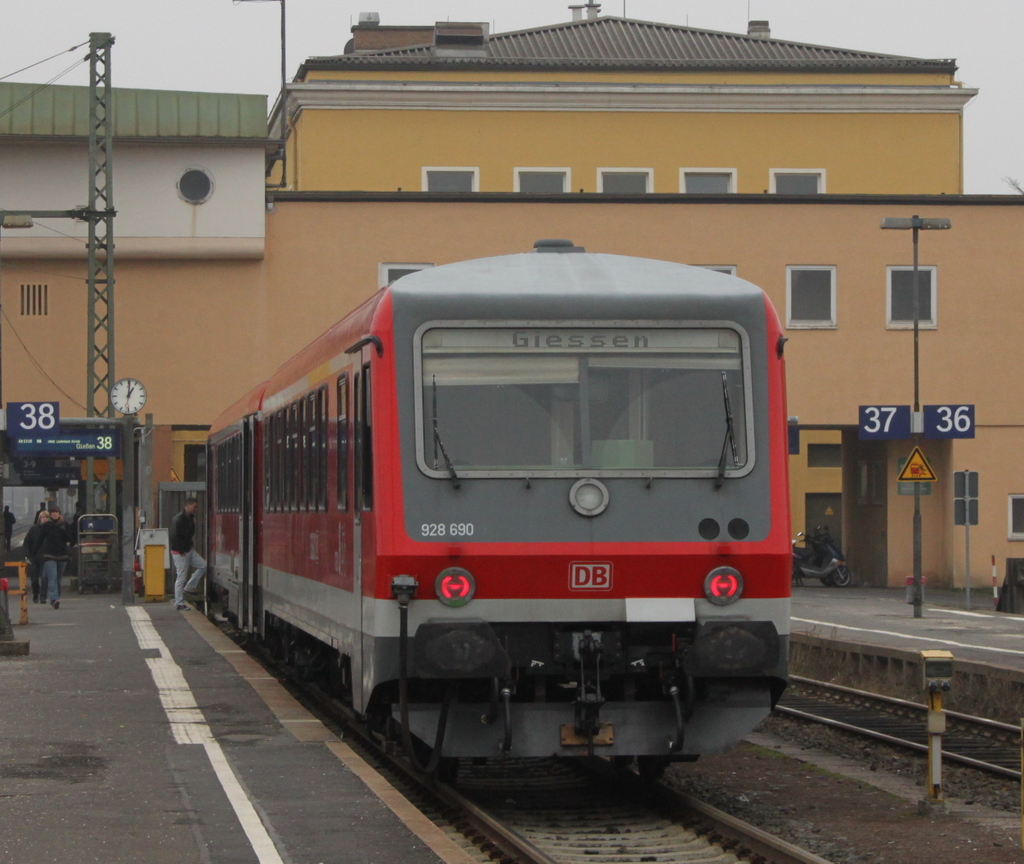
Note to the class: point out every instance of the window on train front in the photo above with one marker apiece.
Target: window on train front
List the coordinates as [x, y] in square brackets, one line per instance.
[553, 400]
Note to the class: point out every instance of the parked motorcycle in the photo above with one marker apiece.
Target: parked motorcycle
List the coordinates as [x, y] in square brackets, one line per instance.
[820, 558]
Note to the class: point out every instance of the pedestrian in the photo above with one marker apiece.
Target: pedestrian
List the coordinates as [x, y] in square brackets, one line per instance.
[58, 538]
[33, 546]
[183, 530]
[9, 521]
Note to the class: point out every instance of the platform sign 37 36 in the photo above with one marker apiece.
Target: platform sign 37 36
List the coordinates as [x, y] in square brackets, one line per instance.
[32, 417]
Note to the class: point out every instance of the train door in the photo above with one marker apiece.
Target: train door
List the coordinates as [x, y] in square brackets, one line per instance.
[251, 613]
[363, 532]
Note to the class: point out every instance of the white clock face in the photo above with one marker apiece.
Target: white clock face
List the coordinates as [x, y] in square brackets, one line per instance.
[128, 396]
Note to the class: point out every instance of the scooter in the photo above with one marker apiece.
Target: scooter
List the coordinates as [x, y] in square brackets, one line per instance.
[820, 558]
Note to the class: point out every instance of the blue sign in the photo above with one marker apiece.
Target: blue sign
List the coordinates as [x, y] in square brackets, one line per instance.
[87, 442]
[877, 422]
[948, 421]
[32, 417]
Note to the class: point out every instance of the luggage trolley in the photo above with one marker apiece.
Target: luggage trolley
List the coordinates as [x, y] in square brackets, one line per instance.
[98, 565]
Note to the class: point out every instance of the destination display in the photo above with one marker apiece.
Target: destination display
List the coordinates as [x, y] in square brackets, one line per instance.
[86, 442]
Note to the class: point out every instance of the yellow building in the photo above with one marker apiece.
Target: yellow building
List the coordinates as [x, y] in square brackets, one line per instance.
[613, 105]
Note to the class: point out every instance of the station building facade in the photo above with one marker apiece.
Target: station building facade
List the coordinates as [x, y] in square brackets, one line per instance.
[773, 160]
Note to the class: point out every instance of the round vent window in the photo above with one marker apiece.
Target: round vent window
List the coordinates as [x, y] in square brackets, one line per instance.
[195, 186]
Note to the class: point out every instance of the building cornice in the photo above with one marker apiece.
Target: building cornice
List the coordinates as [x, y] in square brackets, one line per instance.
[626, 97]
[267, 144]
[742, 199]
[132, 248]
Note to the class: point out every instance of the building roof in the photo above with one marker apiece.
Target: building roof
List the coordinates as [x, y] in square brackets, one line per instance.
[63, 111]
[624, 43]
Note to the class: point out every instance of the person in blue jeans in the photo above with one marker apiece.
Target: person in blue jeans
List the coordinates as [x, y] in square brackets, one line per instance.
[55, 549]
[184, 556]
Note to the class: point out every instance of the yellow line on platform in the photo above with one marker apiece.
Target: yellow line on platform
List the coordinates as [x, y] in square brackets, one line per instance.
[307, 729]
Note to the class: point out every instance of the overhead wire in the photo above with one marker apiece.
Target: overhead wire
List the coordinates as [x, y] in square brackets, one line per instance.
[62, 233]
[40, 62]
[35, 362]
[41, 87]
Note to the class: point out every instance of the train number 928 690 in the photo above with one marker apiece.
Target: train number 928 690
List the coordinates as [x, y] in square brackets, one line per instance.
[447, 529]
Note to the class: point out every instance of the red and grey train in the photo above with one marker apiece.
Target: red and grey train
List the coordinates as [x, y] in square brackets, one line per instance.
[534, 504]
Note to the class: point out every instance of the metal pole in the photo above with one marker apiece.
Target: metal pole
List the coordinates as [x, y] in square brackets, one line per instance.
[967, 537]
[918, 592]
[128, 423]
[284, 105]
[146, 473]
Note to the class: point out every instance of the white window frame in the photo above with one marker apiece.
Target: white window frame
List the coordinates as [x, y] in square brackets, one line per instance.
[922, 324]
[730, 269]
[565, 172]
[384, 266]
[648, 171]
[774, 172]
[800, 323]
[1010, 535]
[732, 172]
[468, 168]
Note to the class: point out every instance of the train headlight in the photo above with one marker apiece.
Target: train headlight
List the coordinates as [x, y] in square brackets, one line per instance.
[588, 497]
[723, 585]
[455, 586]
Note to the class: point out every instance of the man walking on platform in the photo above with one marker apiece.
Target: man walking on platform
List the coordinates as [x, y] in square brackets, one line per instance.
[57, 539]
[183, 530]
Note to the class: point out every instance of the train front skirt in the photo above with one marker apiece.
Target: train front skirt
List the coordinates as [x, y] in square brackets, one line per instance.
[627, 728]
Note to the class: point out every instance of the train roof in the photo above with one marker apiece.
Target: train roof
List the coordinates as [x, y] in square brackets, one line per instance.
[250, 403]
[568, 274]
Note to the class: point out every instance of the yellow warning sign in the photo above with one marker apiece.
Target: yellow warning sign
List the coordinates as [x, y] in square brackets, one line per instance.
[917, 469]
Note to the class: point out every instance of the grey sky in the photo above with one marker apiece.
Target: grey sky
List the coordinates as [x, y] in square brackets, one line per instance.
[227, 46]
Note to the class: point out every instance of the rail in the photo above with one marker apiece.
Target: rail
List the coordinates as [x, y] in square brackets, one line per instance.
[971, 740]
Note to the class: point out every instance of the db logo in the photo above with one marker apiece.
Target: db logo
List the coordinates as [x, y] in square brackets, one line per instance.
[590, 576]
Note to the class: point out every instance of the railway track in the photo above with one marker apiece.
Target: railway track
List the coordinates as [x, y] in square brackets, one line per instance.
[554, 811]
[975, 741]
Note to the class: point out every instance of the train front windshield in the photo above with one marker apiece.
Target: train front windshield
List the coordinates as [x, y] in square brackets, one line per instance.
[533, 401]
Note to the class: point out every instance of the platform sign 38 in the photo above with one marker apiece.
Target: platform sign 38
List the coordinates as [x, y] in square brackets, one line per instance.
[32, 417]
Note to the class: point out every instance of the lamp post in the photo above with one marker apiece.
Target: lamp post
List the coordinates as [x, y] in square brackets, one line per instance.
[282, 99]
[917, 224]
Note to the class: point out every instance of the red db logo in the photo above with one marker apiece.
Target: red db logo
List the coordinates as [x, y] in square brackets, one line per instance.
[590, 576]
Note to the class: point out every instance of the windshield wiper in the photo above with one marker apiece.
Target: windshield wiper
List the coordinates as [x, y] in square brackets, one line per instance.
[438, 443]
[730, 436]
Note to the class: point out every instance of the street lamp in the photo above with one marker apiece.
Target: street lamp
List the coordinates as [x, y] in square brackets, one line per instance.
[917, 224]
[282, 99]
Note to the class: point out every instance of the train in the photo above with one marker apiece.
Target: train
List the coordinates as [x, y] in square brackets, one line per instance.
[530, 505]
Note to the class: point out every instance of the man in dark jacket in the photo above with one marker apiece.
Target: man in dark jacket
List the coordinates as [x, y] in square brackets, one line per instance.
[33, 555]
[183, 530]
[55, 548]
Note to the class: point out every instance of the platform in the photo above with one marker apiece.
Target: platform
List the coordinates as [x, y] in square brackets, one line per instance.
[141, 733]
[881, 616]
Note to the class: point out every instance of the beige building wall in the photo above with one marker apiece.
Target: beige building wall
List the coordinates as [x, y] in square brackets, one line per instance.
[201, 333]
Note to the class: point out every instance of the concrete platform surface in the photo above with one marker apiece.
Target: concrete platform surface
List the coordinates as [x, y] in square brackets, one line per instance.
[881, 616]
[142, 734]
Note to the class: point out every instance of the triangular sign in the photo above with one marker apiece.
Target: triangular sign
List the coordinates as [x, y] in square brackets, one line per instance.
[917, 469]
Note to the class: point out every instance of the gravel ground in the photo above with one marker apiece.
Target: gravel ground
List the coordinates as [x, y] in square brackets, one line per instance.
[848, 821]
